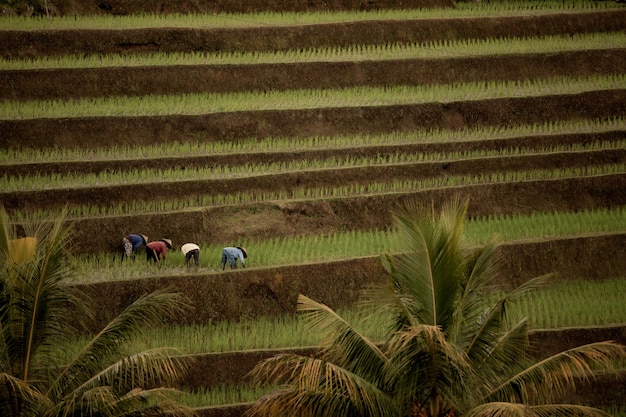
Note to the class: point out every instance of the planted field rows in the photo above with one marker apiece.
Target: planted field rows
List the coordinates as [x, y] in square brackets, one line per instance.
[296, 135]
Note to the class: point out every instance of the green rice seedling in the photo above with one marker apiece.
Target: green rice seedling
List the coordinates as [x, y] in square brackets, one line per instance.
[196, 104]
[355, 53]
[299, 194]
[39, 181]
[588, 303]
[254, 145]
[223, 395]
[234, 20]
[340, 246]
[573, 304]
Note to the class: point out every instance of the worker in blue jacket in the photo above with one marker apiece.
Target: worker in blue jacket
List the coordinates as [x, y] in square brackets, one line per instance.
[132, 243]
[232, 254]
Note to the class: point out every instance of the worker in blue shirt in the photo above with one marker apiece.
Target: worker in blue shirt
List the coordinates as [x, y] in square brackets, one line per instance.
[232, 254]
[132, 243]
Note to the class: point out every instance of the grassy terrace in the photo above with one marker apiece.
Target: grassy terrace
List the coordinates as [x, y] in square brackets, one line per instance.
[196, 104]
[350, 190]
[565, 303]
[335, 246]
[9, 157]
[396, 158]
[356, 53]
[228, 20]
[561, 305]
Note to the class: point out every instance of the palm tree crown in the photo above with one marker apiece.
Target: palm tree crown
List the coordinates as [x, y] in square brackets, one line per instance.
[37, 377]
[447, 352]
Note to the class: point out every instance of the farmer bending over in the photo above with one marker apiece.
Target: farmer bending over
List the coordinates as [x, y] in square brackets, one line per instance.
[158, 249]
[191, 251]
[232, 254]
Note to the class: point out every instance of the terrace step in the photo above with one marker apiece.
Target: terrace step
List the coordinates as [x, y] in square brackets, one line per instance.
[125, 7]
[311, 217]
[63, 84]
[230, 368]
[606, 391]
[41, 43]
[114, 194]
[149, 130]
[93, 166]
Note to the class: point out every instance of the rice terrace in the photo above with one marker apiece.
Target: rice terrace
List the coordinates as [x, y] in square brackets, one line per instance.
[295, 129]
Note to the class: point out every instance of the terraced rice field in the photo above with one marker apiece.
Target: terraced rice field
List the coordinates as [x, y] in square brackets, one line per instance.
[295, 134]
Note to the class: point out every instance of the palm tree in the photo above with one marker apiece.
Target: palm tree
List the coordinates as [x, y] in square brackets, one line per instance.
[37, 376]
[447, 353]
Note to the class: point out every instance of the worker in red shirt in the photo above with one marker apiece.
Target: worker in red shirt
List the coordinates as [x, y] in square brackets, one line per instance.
[158, 249]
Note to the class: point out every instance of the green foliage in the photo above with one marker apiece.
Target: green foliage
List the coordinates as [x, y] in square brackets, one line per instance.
[37, 315]
[445, 353]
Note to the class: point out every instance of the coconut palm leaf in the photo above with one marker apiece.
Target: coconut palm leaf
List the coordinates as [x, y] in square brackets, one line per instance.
[426, 369]
[341, 342]
[106, 346]
[314, 387]
[428, 271]
[506, 409]
[559, 372]
[37, 313]
[35, 307]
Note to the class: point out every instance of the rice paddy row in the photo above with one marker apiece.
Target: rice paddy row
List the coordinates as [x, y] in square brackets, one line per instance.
[331, 247]
[356, 53]
[313, 193]
[207, 103]
[239, 20]
[562, 304]
[39, 181]
[12, 156]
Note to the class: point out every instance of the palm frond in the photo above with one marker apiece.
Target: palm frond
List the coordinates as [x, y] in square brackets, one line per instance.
[147, 369]
[506, 409]
[425, 368]
[430, 269]
[105, 348]
[17, 395]
[342, 343]
[480, 270]
[559, 373]
[313, 387]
